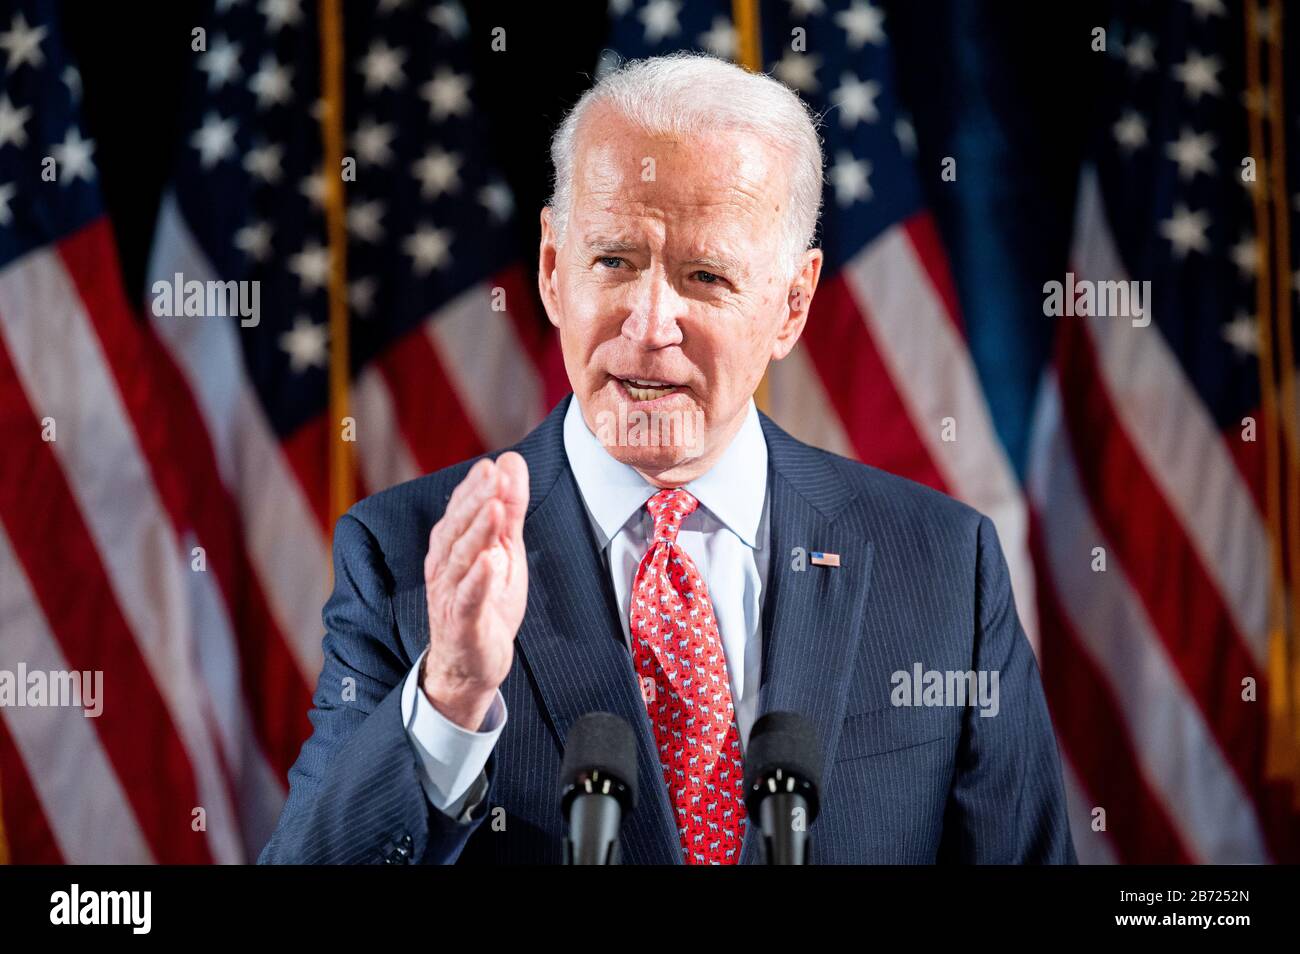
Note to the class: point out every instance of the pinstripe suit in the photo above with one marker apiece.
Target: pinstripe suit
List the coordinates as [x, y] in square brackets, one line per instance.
[922, 580]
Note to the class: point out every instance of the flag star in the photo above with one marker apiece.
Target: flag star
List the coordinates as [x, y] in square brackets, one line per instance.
[1245, 255]
[311, 265]
[272, 84]
[22, 43]
[798, 71]
[7, 191]
[849, 176]
[862, 23]
[382, 67]
[255, 241]
[12, 122]
[1185, 230]
[215, 140]
[619, 8]
[1207, 8]
[1192, 153]
[306, 344]
[428, 247]
[720, 40]
[447, 94]
[263, 161]
[905, 133]
[660, 19]
[497, 198]
[806, 8]
[280, 13]
[374, 142]
[438, 172]
[1140, 54]
[313, 187]
[1130, 131]
[1198, 74]
[361, 296]
[856, 100]
[1243, 334]
[221, 63]
[73, 157]
[72, 80]
[450, 18]
[364, 220]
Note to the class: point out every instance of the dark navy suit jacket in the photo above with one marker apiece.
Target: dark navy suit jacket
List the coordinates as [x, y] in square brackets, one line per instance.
[921, 580]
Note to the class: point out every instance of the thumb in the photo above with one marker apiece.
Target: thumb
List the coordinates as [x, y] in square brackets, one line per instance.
[512, 489]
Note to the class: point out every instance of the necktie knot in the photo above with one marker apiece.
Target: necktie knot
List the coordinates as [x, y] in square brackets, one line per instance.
[669, 508]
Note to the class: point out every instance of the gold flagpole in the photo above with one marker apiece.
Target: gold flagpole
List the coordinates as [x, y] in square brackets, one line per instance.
[342, 490]
[749, 54]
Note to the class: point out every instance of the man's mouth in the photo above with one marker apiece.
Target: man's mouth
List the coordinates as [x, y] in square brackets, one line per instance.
[645, 390]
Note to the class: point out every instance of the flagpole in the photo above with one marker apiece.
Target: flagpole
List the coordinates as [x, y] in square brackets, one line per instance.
[749, 54]
[341, 463]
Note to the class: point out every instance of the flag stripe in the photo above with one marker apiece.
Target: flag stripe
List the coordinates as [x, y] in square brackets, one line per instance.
[265, 679]
[1203, 795]
[59, 556]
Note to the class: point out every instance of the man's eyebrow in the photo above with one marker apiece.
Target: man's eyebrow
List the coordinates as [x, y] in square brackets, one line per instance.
[600, 244]
[719, 263]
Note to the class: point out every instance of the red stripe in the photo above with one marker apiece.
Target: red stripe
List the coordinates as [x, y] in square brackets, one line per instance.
[1180, 597]
[535, 331]
[429, 413]
[307, 452]
[27, 830]
[925, 239]
[1085, 716]
[58, 553]
[860, 387]
[1249, 456]
[183, 465]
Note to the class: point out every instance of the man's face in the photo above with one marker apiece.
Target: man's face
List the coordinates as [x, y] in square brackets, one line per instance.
[672, 289]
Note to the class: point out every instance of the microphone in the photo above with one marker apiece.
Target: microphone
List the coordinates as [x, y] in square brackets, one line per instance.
[783, 770]
[597, 787]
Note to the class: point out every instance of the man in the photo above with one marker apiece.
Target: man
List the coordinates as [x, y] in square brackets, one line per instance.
[479, 611]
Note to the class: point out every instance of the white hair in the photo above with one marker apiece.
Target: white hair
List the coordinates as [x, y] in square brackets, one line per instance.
[688, 94]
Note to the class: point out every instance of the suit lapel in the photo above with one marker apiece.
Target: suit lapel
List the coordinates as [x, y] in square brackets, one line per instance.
[571, 640]
[812, 618]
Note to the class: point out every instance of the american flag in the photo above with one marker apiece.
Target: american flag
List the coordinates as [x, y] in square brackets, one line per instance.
[1152, 452]
[176, 533]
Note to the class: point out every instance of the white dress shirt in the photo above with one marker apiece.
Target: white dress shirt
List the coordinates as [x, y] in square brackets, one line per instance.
[728, 538]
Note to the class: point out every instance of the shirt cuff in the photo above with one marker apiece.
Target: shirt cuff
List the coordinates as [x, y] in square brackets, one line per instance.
[452, 757]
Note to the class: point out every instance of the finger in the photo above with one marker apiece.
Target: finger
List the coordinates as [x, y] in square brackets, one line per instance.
[465, 503]
[473, 589]
[512, 489]
[478, 537]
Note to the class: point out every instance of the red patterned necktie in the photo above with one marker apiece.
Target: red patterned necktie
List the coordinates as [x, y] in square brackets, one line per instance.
[678, 656]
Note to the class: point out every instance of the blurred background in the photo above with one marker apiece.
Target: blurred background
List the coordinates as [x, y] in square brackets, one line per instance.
[170, 471]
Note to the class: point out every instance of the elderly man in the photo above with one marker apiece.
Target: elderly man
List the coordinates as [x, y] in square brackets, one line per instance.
[481, 610]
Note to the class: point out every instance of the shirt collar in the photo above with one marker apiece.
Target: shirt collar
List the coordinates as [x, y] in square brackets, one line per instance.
[733, 490]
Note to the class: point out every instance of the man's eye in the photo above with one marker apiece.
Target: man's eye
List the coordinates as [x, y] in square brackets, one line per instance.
[610, 261]
[707, 278]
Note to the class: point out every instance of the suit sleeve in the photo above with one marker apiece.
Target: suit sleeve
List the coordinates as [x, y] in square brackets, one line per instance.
[355, 795]
[1007, 804]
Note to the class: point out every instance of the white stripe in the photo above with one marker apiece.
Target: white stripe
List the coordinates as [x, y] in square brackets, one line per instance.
[1092, 847]
[286, 547]
[799, 403]
[83, 800]
[1179, 443]
[1178, 754]
[494, 377]
[107, 473]
[385, 457]
[932, 371]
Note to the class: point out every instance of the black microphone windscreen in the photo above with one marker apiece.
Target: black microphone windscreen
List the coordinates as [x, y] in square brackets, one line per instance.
[604, 742]
[786, 741]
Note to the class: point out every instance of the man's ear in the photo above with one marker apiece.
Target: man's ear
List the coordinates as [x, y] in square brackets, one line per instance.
[546, 262]
[798, 302]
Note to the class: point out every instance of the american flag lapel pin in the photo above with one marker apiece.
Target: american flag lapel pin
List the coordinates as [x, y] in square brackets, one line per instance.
[825, 559]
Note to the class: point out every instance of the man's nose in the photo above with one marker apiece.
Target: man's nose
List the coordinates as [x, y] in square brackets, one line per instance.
[657, 308]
